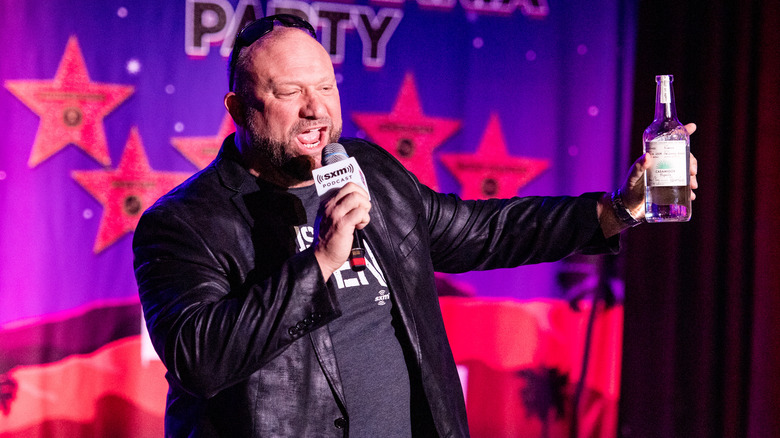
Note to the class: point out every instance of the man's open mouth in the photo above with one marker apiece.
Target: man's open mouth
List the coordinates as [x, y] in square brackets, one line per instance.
[311, 138]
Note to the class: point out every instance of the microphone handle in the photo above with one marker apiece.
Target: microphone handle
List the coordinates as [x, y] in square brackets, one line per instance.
[357, 257]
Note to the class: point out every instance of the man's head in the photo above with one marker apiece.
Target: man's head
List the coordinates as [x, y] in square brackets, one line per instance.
[284, 99]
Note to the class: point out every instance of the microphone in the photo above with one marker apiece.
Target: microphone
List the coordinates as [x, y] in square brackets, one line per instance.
[334, 174]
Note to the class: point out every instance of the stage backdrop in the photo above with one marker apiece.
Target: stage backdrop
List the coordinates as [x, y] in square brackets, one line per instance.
[105, 106]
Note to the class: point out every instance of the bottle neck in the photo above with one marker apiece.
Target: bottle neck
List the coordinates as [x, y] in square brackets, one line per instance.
[664, 98]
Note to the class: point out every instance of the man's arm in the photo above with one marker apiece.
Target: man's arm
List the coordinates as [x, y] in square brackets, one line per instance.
[464, 235]
[211, 320]
[503, 233]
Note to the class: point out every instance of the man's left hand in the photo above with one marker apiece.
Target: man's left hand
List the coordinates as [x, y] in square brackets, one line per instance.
[633, 189]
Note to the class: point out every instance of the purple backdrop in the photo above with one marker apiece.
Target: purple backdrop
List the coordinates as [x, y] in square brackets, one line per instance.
[553, 75]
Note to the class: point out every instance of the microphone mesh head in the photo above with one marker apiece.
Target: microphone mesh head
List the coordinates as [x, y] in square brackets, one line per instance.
[333, 153]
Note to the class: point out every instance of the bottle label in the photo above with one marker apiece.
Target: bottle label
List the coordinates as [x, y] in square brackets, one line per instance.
[670, 163]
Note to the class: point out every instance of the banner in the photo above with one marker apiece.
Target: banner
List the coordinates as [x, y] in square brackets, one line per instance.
[105, 106]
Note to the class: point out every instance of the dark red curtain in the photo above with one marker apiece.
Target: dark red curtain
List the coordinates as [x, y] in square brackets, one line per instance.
[702, 309]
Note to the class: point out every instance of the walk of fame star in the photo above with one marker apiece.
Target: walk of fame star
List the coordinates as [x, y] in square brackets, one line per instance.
[71, 108]
[408, 134]
[200, 151]
[127, 191]
[491, 172]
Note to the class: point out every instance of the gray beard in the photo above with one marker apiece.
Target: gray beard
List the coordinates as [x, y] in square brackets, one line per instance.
[274, 152]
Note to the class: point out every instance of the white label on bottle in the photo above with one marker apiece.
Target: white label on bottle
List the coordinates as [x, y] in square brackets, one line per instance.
[670, 163]
[666, 93]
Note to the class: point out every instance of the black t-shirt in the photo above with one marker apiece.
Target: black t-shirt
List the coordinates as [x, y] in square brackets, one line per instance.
[368, 351]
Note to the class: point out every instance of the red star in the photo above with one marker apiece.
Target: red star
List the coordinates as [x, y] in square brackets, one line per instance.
[408, 134]
[127, 191]
[491, 172]
[71, 108]
[200, 151]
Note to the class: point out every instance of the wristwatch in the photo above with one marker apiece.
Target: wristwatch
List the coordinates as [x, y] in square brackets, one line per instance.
[622, 212]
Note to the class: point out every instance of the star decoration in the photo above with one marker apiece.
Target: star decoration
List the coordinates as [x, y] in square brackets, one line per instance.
[200, 151]
[491, 172]
[127, 191]
[407, 133]
[71, 108]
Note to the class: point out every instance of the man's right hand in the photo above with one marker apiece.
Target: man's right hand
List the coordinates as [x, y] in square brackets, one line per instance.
[338, 217]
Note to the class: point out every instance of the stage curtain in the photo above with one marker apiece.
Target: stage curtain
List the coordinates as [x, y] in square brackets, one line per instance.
[701, 341]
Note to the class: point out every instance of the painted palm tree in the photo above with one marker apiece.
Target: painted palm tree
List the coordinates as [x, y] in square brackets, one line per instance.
[543, 394]
[7, 392]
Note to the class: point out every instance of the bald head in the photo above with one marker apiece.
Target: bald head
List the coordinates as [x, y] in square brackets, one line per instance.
[285, 47]
[243, 71]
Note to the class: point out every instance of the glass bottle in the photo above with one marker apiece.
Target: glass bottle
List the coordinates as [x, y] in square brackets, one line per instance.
[668, 180]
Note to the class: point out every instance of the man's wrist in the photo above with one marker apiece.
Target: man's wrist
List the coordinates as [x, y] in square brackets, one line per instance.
[622, 213]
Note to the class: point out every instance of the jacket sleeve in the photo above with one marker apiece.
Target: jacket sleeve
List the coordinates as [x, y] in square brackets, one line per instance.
[502, 233]
[467, 235]
[210, 328]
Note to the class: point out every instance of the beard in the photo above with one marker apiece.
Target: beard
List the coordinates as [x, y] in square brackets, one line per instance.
[276, 152]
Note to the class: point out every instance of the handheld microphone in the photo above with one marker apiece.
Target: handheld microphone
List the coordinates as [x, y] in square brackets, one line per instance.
[338, 170]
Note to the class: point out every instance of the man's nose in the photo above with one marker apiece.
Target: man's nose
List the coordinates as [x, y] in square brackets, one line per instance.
[313, 106]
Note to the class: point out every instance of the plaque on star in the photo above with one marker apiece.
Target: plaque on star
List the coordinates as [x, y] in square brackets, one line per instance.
[491, 172]
[71, 108]
[126, 191]
[408, 134]
[200, 151]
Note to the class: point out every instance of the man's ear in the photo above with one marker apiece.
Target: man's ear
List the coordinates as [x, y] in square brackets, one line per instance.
[235, 107]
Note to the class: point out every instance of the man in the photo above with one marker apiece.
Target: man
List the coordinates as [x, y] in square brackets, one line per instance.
[242, 273]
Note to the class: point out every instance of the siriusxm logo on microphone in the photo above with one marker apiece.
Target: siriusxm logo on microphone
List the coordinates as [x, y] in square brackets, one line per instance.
[337, 175]
[332, 177]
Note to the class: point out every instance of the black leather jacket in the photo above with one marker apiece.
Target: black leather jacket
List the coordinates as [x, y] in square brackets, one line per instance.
[240, 320]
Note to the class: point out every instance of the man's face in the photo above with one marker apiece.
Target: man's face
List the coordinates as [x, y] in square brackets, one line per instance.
[295, 110]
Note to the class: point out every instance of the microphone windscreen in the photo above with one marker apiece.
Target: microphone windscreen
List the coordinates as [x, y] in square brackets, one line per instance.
[333, 153]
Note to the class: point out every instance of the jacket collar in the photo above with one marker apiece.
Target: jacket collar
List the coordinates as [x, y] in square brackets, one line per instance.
[235, 177]
[231, 172]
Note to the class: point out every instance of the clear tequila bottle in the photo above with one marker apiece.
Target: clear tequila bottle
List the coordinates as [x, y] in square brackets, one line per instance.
[667, 181]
